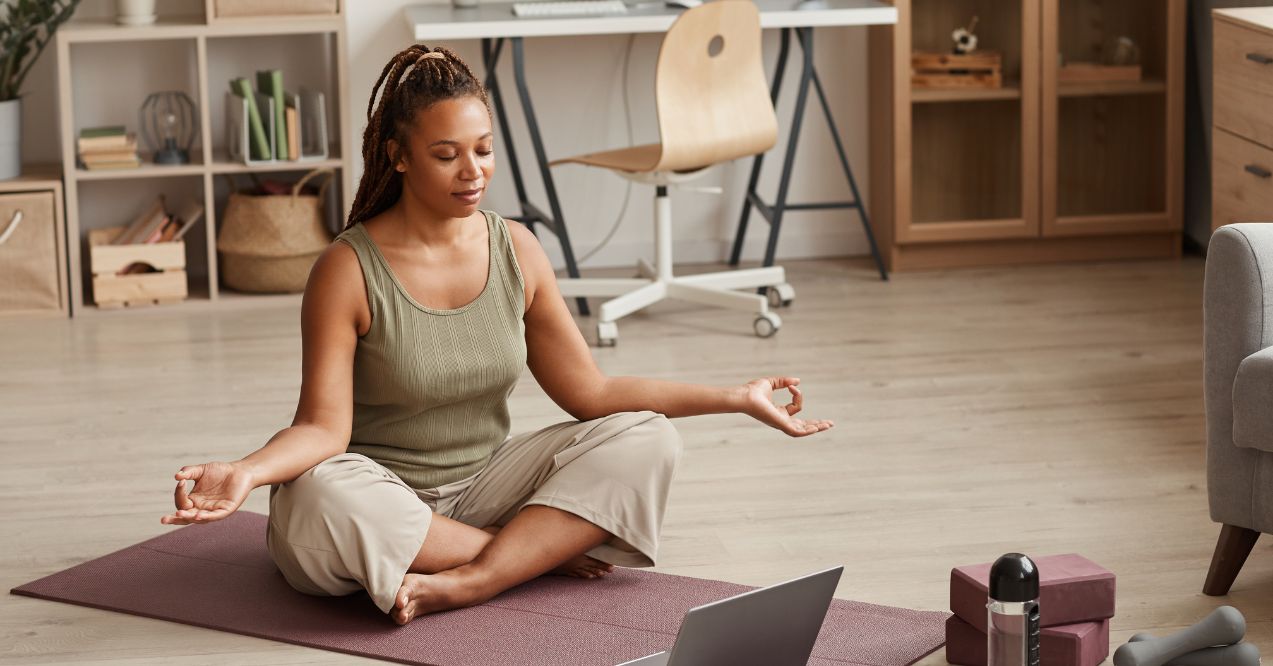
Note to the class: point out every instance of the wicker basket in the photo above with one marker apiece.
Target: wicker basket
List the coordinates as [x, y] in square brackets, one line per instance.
[268, 243]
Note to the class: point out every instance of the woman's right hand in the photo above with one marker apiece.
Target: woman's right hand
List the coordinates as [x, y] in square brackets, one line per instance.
[219, 489]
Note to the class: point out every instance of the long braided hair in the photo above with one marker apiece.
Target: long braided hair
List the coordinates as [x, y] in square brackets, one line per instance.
[415, 79]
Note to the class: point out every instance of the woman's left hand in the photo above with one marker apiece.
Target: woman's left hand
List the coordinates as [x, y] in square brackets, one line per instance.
[758, 404]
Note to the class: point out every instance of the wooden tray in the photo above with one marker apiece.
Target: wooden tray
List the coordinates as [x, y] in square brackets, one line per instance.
[1090, 72]
[979, 69]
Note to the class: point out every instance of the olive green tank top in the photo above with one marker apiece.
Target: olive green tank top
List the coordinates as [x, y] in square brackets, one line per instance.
[431, 386]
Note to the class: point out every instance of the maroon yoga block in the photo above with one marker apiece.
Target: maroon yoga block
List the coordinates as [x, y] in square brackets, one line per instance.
[1072, 589]
[1083, 644]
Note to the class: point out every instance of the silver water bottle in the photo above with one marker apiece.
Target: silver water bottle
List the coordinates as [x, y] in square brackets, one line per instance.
[1013, 612]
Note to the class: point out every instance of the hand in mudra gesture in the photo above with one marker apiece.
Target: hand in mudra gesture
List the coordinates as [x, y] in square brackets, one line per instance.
[219, 489]
[758, 401]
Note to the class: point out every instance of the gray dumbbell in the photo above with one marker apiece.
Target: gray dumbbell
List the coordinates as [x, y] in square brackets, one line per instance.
[1241, 654]
[1224, 626]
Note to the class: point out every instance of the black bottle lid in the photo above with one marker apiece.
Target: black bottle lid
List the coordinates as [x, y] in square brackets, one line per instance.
[1014, 578]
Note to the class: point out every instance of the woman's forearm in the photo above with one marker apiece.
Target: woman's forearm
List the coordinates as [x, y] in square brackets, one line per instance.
[672, 399]
[290, 452]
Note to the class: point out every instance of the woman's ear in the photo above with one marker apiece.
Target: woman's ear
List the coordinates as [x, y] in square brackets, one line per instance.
[396, 156]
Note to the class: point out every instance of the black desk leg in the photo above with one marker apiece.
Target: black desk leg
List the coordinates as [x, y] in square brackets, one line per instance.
[490, 60]
[558, 223]
[781, 66]
[774, 214]
[530, 214]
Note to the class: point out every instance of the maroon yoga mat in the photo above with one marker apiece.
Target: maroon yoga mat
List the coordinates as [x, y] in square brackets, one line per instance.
[220, 576]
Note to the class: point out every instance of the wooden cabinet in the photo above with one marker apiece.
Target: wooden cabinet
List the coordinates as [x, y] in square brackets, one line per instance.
[1242, 132]
[1037, 170]
[32, 249]
[197, 55]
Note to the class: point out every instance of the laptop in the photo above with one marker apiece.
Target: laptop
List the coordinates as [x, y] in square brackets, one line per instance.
[773, 626]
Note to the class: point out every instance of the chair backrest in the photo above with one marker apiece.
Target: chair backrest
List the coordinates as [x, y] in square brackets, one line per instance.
[711, 95]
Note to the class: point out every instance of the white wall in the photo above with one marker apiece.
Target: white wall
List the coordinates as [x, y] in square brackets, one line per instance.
[576, 84]
[576, 88]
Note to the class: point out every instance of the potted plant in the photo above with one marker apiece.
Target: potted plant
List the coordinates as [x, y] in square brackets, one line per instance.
[26, 27]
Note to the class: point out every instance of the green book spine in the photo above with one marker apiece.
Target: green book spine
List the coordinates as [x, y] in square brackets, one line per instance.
[260, 147]
[91, 132]
[270, 82]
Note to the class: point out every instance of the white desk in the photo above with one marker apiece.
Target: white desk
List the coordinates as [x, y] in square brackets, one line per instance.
[495, 20]
[494, 23]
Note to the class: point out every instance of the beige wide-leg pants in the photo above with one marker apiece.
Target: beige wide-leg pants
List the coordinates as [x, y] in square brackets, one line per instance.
[348, 524]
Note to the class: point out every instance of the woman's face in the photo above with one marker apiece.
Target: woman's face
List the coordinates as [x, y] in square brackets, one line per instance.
[450, 156]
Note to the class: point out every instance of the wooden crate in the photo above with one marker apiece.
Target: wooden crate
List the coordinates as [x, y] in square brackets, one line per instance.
[979, 69]
[112, 290]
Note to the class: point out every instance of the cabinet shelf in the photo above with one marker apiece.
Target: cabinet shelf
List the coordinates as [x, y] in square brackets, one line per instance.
[1109, 88]
[189, 27]
[221, 163]
[196, 56]
[931, 95]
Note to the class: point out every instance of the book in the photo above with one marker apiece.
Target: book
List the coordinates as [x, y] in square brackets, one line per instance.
[187, 218]
[105, 131]
[259, 143]
[117, 142]
[107, 156]
[158, 231]
[118, 164]
[270, 82]
[142, 223]
[293, 132]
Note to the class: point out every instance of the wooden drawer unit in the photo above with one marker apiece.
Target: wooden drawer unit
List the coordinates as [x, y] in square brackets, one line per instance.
[32, 254]
[1243, 82]
[1242, 128]
[1241, 180]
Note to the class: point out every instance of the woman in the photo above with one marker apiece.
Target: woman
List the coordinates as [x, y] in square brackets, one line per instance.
[397, 475]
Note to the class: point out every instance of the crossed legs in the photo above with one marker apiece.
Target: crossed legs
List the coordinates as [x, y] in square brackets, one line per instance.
[460, 565]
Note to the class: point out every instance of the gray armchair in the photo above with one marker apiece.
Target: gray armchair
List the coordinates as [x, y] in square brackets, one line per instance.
[1238, 369]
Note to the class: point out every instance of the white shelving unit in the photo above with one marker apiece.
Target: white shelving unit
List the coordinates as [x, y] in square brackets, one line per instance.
[131, 61]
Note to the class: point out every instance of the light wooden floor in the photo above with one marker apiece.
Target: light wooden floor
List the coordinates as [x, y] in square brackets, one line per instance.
[1046, 410]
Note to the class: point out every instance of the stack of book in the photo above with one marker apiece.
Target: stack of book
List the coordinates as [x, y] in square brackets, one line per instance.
[156, 225]
[1076, 602]
[108, 148]
[268, 120]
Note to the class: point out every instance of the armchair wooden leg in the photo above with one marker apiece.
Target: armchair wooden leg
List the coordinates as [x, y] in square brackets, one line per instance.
[1231, 551]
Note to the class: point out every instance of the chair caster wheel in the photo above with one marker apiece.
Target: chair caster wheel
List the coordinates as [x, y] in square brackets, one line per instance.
[780, 295]
[767, 324]
[607, 334]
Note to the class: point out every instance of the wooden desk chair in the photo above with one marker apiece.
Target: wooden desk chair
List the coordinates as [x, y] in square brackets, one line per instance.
[712, 104]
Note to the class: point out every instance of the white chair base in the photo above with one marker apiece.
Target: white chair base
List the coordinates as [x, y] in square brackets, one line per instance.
[658, 283]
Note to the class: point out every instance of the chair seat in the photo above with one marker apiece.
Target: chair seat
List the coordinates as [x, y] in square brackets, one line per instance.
[636, 159]
[1252, 397]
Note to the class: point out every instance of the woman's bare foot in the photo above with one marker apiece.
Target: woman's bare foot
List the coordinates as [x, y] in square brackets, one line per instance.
[583, 567]
[422, 594]
[578, 567]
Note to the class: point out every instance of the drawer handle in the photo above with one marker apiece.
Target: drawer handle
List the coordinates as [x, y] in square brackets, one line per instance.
[1260, 58]
[1257, 170]
[13, 226]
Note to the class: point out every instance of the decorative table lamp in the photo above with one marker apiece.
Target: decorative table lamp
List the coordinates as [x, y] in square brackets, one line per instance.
[168, 125]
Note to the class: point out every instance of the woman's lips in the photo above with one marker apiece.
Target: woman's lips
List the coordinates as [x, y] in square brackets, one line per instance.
[468, 196]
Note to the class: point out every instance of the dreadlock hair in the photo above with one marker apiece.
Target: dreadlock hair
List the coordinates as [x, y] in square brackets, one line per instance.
[415, 79]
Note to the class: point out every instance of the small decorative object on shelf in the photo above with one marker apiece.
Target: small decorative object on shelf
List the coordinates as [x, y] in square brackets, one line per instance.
[965, 38]
[168, 125]
[978, 69]
[135, 12]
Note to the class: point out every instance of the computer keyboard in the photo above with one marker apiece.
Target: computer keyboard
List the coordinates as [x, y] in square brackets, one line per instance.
[570, 8]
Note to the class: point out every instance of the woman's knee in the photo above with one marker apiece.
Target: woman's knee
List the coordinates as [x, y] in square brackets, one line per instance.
[662, 439]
